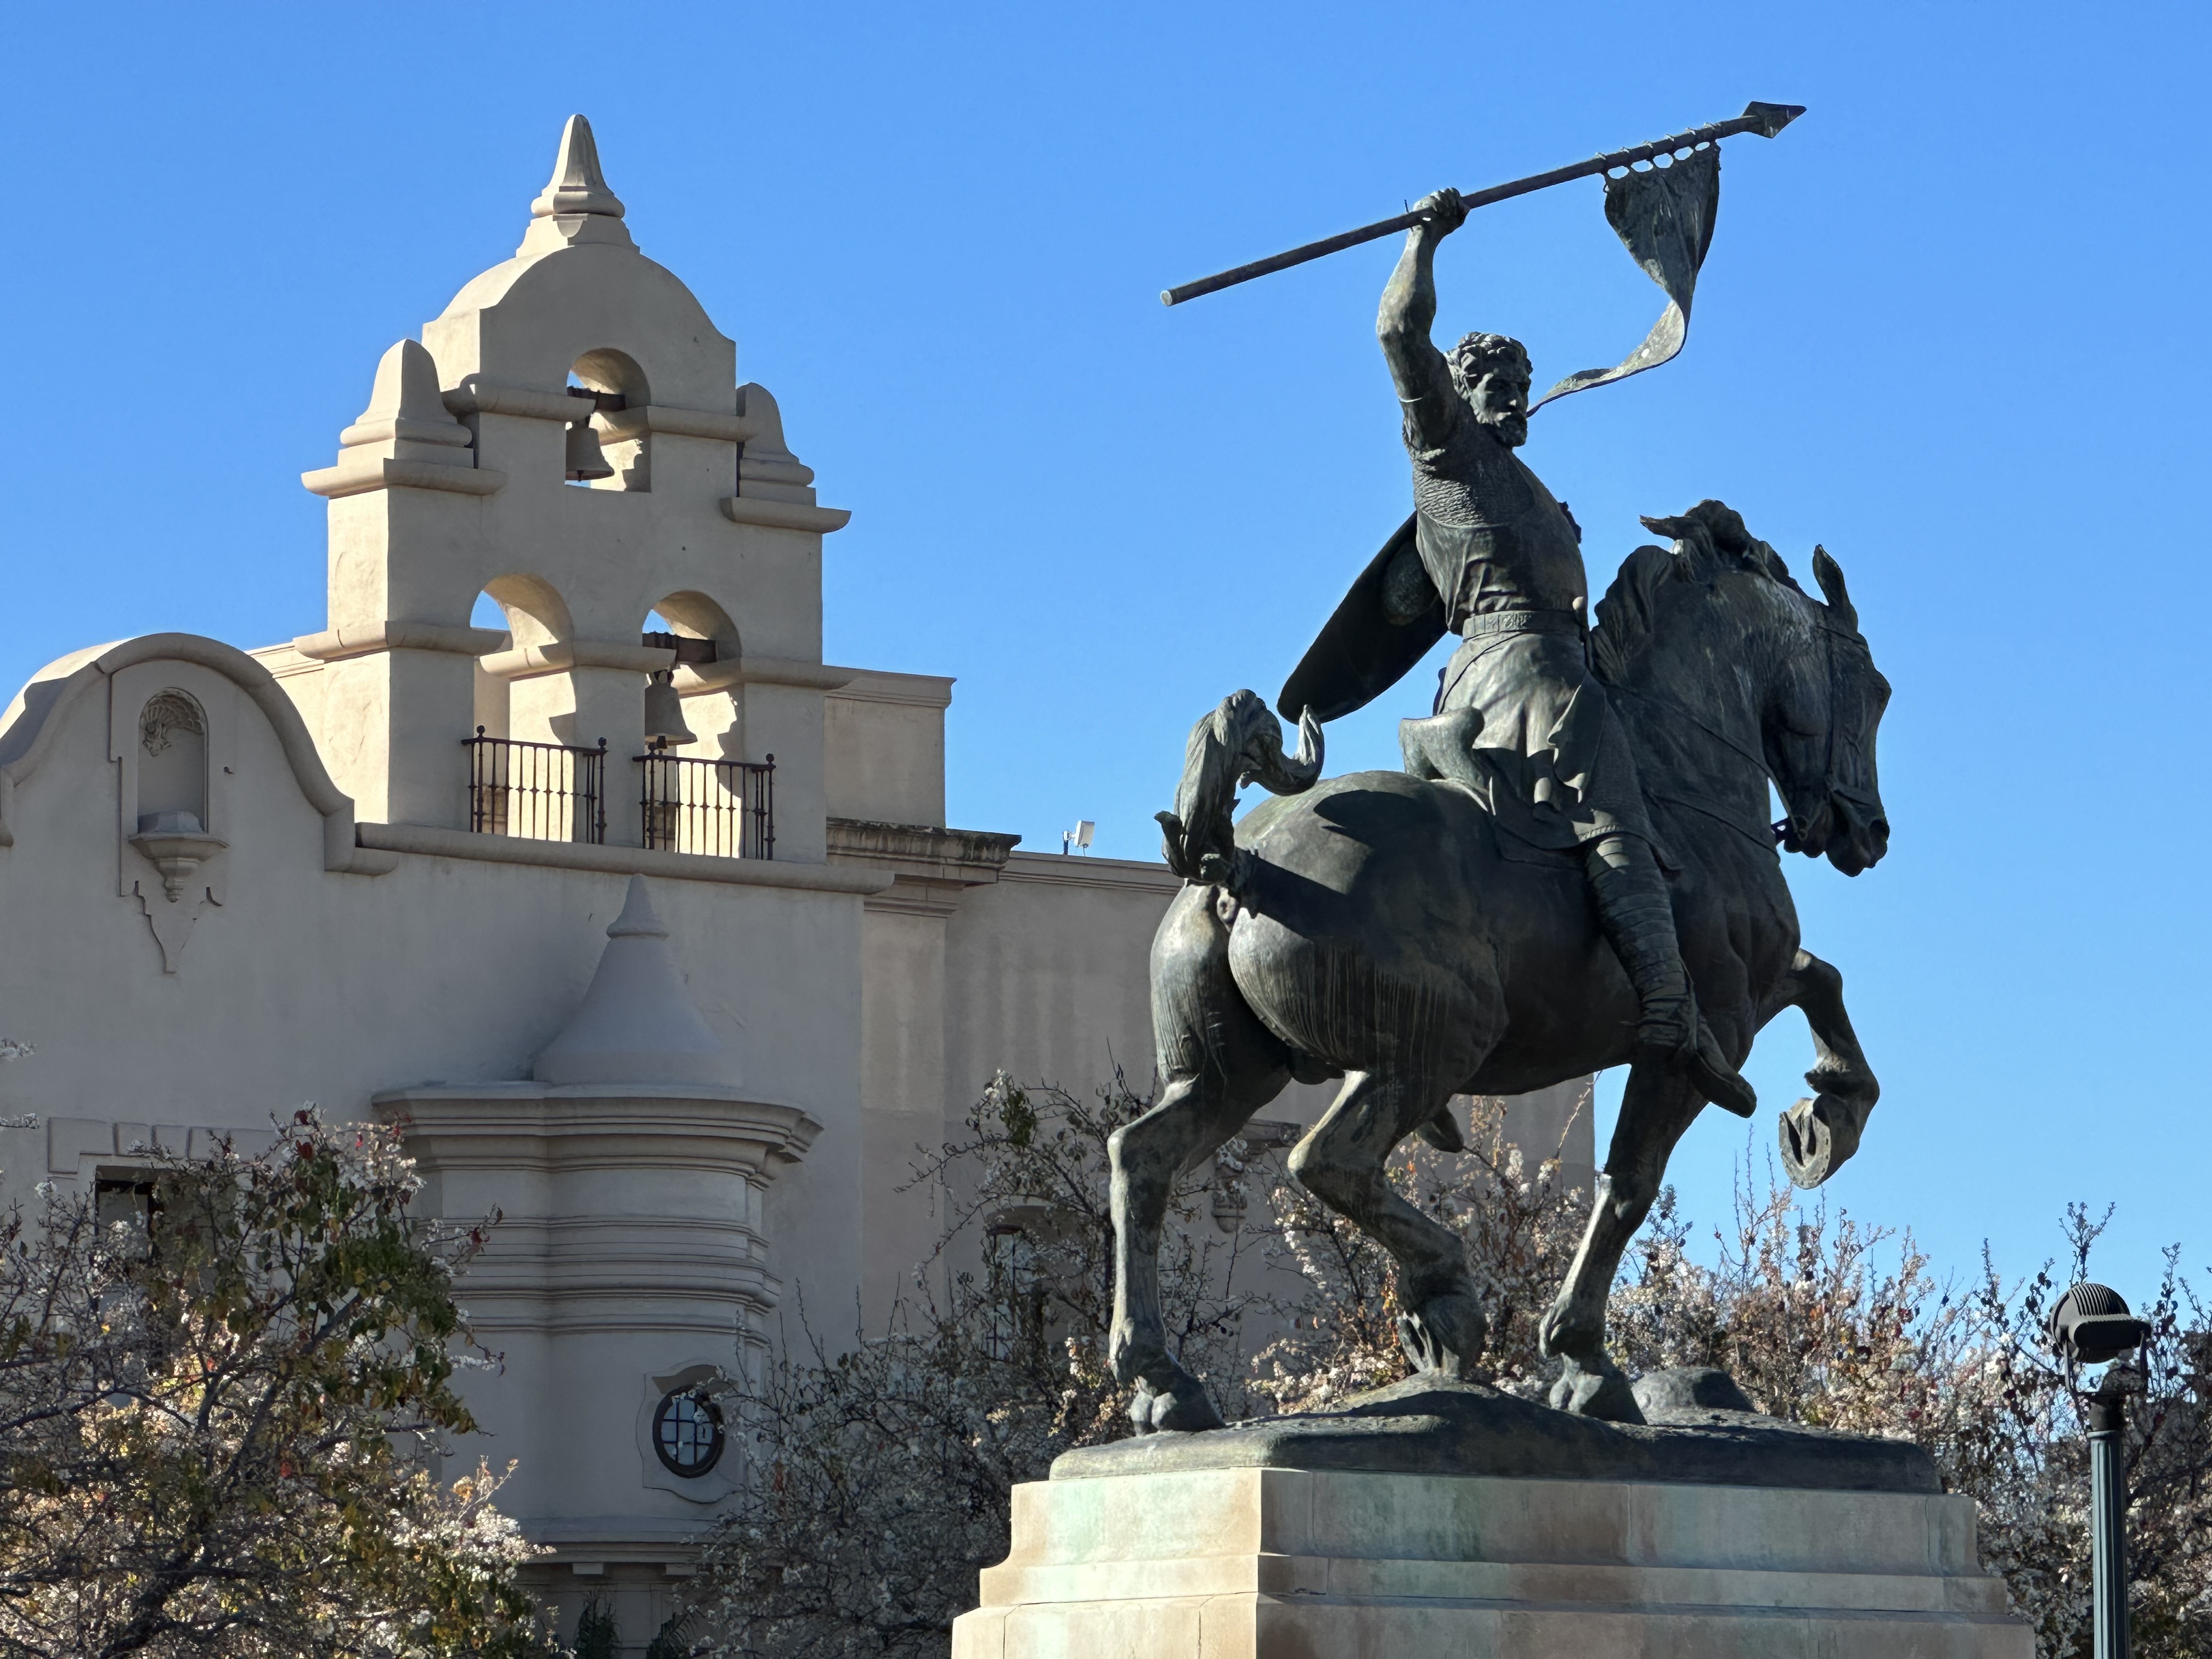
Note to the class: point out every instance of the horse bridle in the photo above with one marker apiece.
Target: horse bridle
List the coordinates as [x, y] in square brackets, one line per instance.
[1830, 633]
[1779, 829]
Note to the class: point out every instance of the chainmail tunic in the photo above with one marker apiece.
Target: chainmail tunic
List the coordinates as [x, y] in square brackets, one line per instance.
[1494, 541]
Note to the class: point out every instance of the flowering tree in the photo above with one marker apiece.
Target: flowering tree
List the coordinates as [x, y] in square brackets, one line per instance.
[1799, 1312]
[219, 1403]
[882, 1475]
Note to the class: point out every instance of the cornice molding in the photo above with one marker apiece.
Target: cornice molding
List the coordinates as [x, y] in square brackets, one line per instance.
[694, 680]
[362, 477]
[476, 1125]
[1076, 870]
[531, 662]
[431, 842]
[898, 690]
[920, 851]
[364, 639]
[478, 396]
[785, 515]
[723, 426]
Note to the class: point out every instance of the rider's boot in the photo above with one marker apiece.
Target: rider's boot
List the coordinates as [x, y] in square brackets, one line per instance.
[1638, 920]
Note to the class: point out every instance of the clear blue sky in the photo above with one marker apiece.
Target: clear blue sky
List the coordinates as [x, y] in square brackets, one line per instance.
[1954, 325]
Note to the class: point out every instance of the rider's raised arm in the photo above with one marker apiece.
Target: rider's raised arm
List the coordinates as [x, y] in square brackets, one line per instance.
[1409, 306]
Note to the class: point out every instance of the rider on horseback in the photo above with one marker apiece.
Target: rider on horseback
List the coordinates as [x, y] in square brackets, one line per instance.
[1494, 558]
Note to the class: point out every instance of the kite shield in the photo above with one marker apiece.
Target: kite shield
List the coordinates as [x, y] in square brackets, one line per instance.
[1386, 624]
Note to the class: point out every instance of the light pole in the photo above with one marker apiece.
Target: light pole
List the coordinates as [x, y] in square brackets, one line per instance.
[2092, 1325]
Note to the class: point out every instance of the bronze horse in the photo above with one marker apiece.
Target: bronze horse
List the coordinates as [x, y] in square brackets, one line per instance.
[1380, 927]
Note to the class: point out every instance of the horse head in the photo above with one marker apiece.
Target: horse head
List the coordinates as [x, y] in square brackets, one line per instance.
[1801, 665]
[1824, 708]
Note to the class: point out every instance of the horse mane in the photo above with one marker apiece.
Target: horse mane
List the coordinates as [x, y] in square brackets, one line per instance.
[1710, 541]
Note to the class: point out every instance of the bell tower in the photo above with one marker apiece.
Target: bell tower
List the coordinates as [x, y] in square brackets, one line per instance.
[570, 438]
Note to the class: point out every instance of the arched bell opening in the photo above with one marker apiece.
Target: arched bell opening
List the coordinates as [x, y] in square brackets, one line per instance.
[530, 612]
[701, 793]
[692, 704]
[700, 630]
[528, 608]
[529, 775]
[607, 446]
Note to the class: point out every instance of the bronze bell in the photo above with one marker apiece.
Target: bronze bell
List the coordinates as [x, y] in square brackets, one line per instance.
[664, 711]
[586, 459]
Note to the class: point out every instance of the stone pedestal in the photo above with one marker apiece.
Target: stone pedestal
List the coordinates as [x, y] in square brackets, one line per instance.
[1299, 1564]
[1207, 1547]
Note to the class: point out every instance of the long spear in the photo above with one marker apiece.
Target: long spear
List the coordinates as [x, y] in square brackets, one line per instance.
[1765, 119]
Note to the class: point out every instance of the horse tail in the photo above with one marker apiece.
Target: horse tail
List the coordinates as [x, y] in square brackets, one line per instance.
[1239, 743]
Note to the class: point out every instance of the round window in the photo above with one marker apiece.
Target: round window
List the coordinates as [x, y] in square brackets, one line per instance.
[687, 1432]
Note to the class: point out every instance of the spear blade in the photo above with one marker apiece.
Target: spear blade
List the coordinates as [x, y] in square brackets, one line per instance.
[1765, 119]
[1771, 117]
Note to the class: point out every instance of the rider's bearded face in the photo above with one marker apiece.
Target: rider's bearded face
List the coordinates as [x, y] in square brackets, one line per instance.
[1499, 395]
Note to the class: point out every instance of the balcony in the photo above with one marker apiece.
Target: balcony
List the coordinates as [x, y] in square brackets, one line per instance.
[721, 809]
[554, 792]
[536, 791]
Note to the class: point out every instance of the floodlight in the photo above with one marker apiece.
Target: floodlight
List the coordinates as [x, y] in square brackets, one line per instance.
[2091, 1325]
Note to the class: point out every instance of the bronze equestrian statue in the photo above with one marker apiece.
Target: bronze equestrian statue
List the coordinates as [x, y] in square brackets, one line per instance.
[1575, 870]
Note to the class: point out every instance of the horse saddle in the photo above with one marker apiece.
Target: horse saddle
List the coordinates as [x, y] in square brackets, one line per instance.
[1441, 749]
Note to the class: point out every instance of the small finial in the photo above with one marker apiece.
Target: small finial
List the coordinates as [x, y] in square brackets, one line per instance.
[577, 184]
[405, 405]
[638, 918]
[406, 422]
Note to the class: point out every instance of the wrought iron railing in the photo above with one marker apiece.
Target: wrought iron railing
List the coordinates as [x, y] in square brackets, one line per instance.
[536, 791]
[720, 808]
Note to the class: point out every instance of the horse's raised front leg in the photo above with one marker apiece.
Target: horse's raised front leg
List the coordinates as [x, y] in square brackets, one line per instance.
[1341, 1161]
[1221, 1066]
[1657, 1106]
[1819, 1134]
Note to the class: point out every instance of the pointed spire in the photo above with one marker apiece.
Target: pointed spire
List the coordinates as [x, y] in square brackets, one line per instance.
[577, 184]
[637, 1024]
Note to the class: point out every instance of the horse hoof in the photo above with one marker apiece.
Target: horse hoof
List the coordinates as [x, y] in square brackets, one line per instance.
[1599, 1390]
[1444, 1336]
[1130, 1356]
[1818, 1135]
[1442, 1132]
[1182, 1407]
[1559, 1333]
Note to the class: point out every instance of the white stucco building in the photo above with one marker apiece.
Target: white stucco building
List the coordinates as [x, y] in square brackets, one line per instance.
[388, 866]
